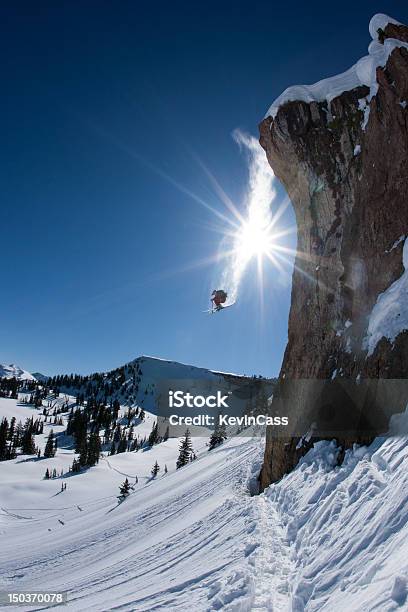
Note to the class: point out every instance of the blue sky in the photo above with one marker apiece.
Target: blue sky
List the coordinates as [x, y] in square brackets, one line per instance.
[101, 102]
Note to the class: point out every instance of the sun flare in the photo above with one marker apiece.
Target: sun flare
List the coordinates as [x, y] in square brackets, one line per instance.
[254, 239]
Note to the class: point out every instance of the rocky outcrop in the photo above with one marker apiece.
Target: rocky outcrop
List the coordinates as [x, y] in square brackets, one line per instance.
[344, 165]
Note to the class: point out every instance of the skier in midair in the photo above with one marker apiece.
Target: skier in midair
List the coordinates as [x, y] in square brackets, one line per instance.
[218, 298]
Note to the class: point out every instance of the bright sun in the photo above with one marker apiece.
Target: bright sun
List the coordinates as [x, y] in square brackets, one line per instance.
[254, 239]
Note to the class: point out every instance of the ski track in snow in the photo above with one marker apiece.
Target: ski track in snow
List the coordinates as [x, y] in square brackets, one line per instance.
[118, 471]
[272, 563]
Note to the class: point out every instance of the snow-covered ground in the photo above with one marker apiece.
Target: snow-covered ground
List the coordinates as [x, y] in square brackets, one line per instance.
[323, 538]
[347, 527]
[172, 542]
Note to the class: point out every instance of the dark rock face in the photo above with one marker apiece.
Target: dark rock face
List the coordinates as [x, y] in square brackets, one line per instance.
[351, 207]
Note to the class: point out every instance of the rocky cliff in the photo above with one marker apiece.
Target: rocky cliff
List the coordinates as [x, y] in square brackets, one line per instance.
[343, 158]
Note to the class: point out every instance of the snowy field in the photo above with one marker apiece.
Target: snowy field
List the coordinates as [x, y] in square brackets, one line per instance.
[324, 538]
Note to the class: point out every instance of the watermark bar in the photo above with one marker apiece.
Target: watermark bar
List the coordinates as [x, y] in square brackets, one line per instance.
[33, 598]
[340, 408]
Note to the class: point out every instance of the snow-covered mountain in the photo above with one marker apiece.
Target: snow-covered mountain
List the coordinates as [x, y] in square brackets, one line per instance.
[146, 380]
[40, 377]
[14, 371]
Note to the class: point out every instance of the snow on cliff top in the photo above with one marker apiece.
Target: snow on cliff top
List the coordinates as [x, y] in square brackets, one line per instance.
[14, 371]
[362, 73]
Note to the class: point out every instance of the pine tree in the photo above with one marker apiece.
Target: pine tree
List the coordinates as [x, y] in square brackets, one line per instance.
[75, 466]
[83, 454]
[117, 434]
[122, 446]
[50, 446]
[107, 434]
[154, 436]
[28, 443]
[155, 470]
[18, 435]
[116, 408]
[94, 448]
[124, 488]
[47, 474]
[3, 439]
[11, 428]
[186, 449]
[218, 436]
[129, 416]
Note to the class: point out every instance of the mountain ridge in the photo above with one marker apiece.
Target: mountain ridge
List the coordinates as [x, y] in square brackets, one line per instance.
[145, 382]
[14, 371]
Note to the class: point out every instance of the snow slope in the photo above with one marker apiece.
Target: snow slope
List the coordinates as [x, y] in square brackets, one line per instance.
[347, 528]
[173, 542]
[14, 371]
[323, 538]
[28, 471]
[361, 73]
[389, 316]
